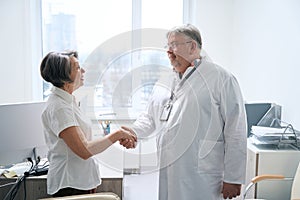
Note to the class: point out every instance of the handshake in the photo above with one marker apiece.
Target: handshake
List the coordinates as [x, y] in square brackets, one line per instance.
[129, 138]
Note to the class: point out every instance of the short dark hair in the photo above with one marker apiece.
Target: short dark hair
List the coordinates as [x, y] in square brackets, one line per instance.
[188, 30]
[56, 67]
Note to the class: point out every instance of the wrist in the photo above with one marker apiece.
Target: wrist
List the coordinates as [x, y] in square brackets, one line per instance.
[119, 134]
[115, 136]
[132, 131]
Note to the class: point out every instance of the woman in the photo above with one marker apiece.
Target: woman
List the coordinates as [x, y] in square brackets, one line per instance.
[72, 170]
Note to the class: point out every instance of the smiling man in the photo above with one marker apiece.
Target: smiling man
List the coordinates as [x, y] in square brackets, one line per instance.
[201, 123]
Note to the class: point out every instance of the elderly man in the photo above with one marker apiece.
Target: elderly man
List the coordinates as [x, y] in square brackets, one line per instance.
[201, 125]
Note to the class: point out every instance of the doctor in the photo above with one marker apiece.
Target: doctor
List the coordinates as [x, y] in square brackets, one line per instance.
[201, 125]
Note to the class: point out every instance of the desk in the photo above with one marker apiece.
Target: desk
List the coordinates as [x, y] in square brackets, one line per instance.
[36, 187]
[111, 170]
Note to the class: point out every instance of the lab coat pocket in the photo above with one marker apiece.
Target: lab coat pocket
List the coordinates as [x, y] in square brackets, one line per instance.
[211, 157]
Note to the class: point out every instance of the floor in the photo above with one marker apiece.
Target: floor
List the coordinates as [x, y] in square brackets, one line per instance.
[140, 186]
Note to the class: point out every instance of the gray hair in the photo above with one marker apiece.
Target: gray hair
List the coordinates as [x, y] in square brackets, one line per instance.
[188, 30]
[56, 67]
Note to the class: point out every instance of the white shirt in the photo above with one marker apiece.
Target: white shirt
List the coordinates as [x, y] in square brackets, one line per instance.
[66, 168]
[204, 140]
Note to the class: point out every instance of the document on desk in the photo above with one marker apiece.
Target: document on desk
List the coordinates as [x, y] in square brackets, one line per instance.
[16, 170]
[269, 131]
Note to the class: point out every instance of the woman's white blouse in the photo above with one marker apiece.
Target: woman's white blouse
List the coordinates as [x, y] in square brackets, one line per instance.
[66, 168]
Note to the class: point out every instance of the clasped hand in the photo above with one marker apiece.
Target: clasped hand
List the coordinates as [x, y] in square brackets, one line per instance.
[130, 141]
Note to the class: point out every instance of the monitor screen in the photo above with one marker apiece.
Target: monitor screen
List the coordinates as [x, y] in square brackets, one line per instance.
[21, 131]
[263, 114]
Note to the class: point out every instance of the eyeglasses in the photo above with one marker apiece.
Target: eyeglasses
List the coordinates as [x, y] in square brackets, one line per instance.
[174, 45]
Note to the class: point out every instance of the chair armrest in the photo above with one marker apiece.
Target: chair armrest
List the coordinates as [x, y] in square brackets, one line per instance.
[262, 177]
[266, 177]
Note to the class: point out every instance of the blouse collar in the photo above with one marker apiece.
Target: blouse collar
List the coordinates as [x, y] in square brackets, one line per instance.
[63, 94]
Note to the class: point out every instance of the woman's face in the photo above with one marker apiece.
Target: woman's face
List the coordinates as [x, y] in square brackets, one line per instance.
[76, 73]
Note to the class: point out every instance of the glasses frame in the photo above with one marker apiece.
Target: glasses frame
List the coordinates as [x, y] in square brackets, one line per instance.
[174, 45]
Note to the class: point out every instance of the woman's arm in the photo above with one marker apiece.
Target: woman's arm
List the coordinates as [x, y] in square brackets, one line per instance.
[76, 141]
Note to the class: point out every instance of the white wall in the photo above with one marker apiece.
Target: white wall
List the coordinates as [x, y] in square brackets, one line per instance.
[266, 47]
[19, 51]
[258, 41]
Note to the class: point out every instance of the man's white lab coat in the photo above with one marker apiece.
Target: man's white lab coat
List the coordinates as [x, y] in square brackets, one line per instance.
[204, 141]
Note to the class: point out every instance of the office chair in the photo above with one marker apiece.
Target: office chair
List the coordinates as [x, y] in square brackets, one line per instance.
[295, 191]
[95, 196]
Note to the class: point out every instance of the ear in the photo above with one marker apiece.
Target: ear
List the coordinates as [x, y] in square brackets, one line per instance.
[193, 47]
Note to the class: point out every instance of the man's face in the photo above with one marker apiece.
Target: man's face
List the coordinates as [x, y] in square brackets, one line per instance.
[178, 51]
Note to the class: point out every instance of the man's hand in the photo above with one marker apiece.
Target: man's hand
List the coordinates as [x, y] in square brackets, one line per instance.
[128, 143]
[231, 190]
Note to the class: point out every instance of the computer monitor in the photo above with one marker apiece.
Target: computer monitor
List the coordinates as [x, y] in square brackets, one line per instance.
[263, 114]
[21, 131]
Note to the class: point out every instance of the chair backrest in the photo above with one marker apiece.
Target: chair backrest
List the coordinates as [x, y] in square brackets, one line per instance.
[295, 193]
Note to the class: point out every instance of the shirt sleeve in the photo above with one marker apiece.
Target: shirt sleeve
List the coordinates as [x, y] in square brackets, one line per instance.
[144, 125]
[148, 122]
[61, 119]
[235, 132]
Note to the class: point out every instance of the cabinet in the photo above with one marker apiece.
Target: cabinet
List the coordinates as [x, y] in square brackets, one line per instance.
[270, 160]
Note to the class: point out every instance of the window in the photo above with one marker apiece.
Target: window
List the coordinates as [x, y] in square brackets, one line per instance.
[119, 43]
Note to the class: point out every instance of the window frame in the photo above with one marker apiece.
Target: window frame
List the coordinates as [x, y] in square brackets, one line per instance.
[136, 24]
